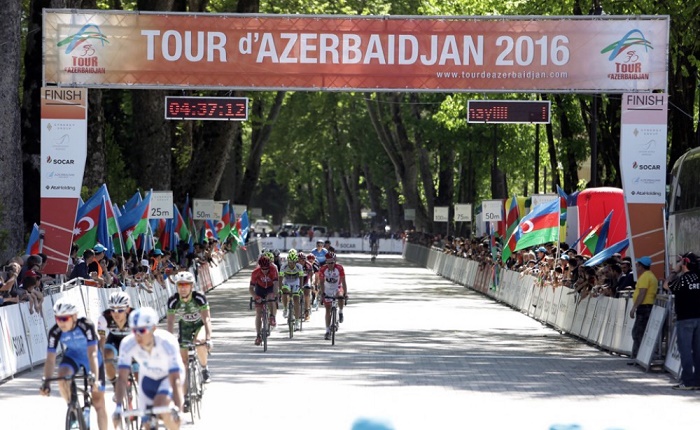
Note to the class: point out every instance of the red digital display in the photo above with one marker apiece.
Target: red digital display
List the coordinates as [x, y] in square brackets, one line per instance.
[508, 111]
[207, 108]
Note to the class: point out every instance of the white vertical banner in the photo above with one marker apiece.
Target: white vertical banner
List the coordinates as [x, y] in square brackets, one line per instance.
[463, 212]
[441, 214]
[643, 147]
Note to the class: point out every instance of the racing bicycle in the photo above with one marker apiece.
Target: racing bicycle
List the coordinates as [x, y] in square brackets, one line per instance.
[77, 415]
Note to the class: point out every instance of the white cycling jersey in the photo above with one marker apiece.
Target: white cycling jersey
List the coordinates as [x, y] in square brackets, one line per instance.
[163, 359]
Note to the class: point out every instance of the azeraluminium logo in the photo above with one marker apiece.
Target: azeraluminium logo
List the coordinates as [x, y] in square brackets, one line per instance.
[82, 49]
[625, 55]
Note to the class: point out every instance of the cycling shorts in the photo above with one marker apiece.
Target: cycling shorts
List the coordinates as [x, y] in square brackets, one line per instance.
[188, 332]
[69, 362]
[294, 289]
[264, 292]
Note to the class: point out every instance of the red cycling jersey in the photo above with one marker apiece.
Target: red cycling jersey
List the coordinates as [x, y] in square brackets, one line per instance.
[332, 278]
[264, 280]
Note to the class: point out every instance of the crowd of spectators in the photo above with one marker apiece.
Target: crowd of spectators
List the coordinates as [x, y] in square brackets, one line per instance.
[552, 266]
[22, 278]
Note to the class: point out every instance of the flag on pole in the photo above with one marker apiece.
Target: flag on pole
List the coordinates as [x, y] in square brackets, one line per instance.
[245, 225]
[223, 227]
[563, 205]
[607, 253]
[87, 221]
[597, 239]
[34, 245]
[135, 221]
[181, 232]
[540, 226]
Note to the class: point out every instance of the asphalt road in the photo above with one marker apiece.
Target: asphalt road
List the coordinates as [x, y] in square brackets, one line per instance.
[415, 352]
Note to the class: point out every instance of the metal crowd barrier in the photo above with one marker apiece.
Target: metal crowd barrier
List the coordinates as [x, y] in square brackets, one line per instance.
[23, 334]
[600, 321]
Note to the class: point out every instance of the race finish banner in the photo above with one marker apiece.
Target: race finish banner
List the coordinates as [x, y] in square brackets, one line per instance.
[63, 155]
[643, 137]
[355, 53]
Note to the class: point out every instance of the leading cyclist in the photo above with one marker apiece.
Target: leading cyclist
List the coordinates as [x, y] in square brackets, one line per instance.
[191, 309]
[264, 283]
[332, 284]
[292, 274]
[80, 349]
[161, 372]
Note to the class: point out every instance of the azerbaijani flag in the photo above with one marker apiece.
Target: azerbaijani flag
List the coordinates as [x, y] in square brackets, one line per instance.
[540, 226]
[597, 239]
[181, 230]
[563, 198]
[512, 220]
[34, 245]
[135, 221]
[608, 252]
[88, 220]
[223, 227]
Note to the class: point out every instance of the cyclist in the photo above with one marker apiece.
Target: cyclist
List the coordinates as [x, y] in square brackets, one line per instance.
[191, 309]
[310, 283]
[112, 327]
[292, 273]
[319, 252]
[161, 370]
[264, 284]
[80, 349]
[276, 259]
[332, 284]
[373, 242]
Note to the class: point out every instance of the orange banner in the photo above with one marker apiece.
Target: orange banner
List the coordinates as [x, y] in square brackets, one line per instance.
[344, 53]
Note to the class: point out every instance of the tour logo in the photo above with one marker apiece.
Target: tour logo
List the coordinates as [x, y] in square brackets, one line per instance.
[626, 54]
[82, 50]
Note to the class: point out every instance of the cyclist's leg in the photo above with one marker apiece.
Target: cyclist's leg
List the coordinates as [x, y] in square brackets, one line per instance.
[164, 400]
[110, 355]
[202, 352]
[307, 301]
[98, 399]
[67, 368]
[285, 299]
[297, 303]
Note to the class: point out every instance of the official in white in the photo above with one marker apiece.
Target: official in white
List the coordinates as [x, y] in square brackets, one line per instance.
[161, 372]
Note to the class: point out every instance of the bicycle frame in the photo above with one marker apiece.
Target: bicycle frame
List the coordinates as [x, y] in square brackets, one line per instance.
[195, 386]
[74, 412]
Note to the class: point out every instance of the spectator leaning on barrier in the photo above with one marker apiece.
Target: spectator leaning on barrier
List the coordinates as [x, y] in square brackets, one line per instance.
[686, 289]
[642, 301]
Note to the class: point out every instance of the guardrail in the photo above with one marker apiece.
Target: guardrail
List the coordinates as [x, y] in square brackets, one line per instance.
[23, 334]
[600, 321]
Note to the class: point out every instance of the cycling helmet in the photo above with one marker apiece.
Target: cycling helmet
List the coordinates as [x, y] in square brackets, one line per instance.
[269, 255]
[263, 251]
[143, 317]
[119, 300]
[330, 257]
[302, 256]
[64, 306]
[311, 257]
[184, 277]
[276, 253]
[293, 255]
[264, 261]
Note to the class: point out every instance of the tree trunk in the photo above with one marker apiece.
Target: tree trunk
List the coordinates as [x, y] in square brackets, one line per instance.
[259, 138]
[96, 163]
[11, 212]
[567, 138]
[351, 192]
[553, 161]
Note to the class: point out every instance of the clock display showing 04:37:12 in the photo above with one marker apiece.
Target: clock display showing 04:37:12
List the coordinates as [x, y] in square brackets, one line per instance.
[206, 108]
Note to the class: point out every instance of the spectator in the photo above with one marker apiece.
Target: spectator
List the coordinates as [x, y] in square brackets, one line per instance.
[95, 268]
[81, 270]
[627, 278]
[642, 302]
[686, 288]
[9, 288]
[28, 292]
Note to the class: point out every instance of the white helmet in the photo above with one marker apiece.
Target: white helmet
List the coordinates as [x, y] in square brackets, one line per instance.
[64, 306]
[119, 300]
[184, 277]
[143, 317]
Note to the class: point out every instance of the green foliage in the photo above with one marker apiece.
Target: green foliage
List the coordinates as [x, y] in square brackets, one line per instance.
[121, 186]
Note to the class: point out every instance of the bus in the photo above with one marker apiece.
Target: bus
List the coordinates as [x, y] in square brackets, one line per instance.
[683, 234]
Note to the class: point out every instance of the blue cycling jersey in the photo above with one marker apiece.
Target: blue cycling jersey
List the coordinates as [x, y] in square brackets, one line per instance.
[75, 342]
[320, 255]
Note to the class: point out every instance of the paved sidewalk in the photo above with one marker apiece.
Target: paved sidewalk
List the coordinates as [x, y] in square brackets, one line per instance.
[416, 352]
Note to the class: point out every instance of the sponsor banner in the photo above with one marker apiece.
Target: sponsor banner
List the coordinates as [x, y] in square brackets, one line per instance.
[409, 214]
[14, 332]
[7, 366]
[35, 333]
[643, 169]
[441, 214]
[161, 205]
[264, 52]
[463, 212]
[63, 154]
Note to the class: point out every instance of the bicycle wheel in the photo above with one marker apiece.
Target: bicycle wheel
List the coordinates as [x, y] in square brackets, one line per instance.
[290, 320]
[74, 418]
[199, 389]
[265, 327]
[132, 395]
[302, 309]
[192, 387]
[334, 312]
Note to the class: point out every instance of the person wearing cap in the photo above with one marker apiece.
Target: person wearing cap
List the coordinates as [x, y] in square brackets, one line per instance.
[686, 289]
[95, 268]
[540, 253]
[81, 270]
[320, 252]
[642, 301]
